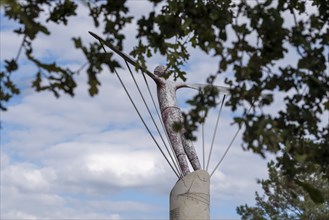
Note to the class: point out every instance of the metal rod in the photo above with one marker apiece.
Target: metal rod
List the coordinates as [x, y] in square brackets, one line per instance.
[203, 144]
[163, 127]
[226, 151]
[141, 118]
[229, 146]
[215, 131]
[149, 111]
[120, 53]
[147, 128]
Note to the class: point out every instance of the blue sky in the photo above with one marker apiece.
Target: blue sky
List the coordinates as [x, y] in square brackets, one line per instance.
[91, 158]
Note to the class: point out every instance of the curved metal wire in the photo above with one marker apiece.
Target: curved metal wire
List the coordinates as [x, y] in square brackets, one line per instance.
[226, 151]
[141, 118]
[147, 128]
[149, 111]
[163, 127]
[229, 146]
[215, 131]
[203, 147]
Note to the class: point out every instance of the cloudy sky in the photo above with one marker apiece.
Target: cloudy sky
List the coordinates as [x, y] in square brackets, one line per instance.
[91, 158]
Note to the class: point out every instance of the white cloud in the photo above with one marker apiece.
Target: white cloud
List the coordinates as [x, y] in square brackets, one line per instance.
[28, 178]
[35, 192]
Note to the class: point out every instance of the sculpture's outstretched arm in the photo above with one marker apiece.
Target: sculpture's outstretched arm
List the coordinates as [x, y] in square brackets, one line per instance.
[197, 86]
[124, 56]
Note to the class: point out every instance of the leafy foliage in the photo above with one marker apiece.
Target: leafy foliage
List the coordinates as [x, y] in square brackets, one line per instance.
[50, 76]
[200, 105]
[285, 198]
[262, 35]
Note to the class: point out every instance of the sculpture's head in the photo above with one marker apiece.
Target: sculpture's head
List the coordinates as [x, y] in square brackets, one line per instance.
[160, 71]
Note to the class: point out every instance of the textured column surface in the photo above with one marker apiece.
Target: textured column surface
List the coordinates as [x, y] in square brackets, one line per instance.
[190, 199]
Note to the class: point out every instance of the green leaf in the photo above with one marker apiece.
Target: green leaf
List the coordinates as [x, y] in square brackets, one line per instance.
[11, 65]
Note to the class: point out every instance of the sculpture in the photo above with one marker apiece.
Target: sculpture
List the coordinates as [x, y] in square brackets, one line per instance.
[170, 112]
[190, 197]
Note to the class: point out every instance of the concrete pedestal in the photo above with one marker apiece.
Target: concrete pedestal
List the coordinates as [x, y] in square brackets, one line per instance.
[190, 198]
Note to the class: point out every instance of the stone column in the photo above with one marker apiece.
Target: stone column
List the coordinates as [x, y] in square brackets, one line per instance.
[190, 197]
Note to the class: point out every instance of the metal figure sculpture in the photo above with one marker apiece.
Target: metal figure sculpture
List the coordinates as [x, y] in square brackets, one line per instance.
[170, 112]
[190, 197]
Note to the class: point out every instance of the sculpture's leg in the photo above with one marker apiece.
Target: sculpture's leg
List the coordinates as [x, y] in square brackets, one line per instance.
[170, 116]
[191, 153]
[190, 150]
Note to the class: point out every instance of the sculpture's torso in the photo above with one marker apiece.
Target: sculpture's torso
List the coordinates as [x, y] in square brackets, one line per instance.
[171, 114]
[166, 94]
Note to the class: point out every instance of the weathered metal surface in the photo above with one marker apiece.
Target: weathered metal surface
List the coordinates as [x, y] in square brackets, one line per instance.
[190, 197]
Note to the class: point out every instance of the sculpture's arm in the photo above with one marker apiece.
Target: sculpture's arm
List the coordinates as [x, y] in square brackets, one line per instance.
[197, 86]
[125, 57]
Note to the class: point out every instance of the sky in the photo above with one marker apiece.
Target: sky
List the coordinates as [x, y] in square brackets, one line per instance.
[91, 157]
